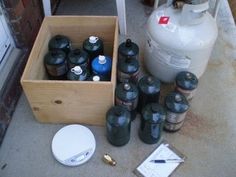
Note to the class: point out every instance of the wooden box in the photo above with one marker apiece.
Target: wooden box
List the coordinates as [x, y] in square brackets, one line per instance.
[55, 101]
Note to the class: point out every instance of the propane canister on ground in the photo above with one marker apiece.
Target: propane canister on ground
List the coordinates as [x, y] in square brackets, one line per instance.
[177, 106]
[77, 73]
[60, 42]
[101, 66]
[128, 48]
[78, 57]
[126, 94]
[128, 70]
[118, 124]
[56, 64]
[93, 46]
[149, 91]
[180, 39]
[186, 83]
[152, 122]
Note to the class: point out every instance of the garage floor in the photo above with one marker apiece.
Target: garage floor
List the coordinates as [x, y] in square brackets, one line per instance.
[207, 137]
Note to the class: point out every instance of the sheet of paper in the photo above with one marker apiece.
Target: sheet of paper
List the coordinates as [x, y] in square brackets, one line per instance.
[150, 169]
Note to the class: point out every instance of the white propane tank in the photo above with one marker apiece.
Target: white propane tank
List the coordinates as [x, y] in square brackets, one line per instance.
[180, 39]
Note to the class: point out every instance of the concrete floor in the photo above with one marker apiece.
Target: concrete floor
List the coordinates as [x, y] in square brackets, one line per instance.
[207, 137]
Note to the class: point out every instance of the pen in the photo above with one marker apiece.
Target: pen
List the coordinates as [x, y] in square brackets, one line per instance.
[168, 161]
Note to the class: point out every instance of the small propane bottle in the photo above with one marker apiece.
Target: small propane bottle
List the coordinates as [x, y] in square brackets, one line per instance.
[126, 94]
[118, 125]
[77, 74]
[78, 57]
[128, 70]
[186, 83]
[101, 66]
[60, 42]
[149, 91]
[56, 64]
[93, 46]
[128, 48]
[177, 106]
[152, 122]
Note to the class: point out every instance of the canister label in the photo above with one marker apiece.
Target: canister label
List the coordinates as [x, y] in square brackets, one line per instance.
[187, 93]
[168, 57]
[57, 70]
[124, 77]
[130, 105]
[175, 117]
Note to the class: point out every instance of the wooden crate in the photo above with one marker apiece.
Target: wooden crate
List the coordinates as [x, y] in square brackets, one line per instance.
[54, 101]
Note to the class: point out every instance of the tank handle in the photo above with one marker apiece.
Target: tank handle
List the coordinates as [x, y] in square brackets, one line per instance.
[193, 14]
[156, 3]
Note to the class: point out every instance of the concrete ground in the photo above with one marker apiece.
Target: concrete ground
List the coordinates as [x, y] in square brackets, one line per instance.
[207, 137]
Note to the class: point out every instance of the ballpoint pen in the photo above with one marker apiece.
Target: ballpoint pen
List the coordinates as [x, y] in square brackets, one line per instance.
[168, 161]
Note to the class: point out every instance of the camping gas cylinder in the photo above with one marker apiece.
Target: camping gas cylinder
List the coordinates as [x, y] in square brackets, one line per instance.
[128, 70]
[149, 91]
[128, 48]
[101, 66]
[78, 57]
[56, 64]
[177, 106]
[186, 83]
[93, 46]
[126, 94]
[152, 122]
[118, 124]
[77, 73]
[60, 42]
[180, 38]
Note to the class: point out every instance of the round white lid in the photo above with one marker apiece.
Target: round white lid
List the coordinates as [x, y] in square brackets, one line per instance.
[96, 78]
[101, 59]
[73, 145]
[77, 70]
[93, 39]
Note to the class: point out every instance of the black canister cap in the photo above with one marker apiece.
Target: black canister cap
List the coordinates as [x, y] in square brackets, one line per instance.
[149, 85]
[186, 80]
[118, 116]
[59, 42]
[128, 48]
[126, 91]
[129, 65]
[176, 102]
[55, 57]
[154, 113]
[78, 56]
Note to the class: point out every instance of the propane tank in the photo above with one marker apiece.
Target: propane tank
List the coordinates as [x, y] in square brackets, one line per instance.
[78, 57]
[59, 42]
[180, 37]
[101, 66]
[77, 73]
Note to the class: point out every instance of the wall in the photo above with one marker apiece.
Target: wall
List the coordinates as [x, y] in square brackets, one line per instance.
[24, 18]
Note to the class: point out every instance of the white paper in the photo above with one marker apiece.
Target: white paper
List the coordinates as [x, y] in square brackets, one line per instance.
[150, 169]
